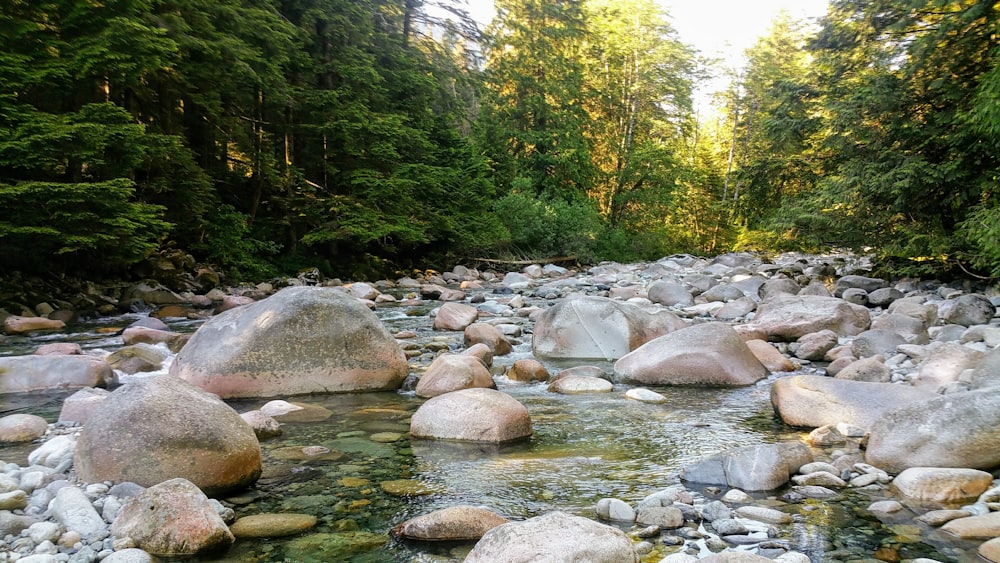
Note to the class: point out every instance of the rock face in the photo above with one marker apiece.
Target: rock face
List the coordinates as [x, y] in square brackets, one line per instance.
[472, 415]
[159, 428]
[812, 401]
[299, 340]
[596, 328]
[451, 372]
[755, 468]
[955, 430]
[705, 354]
[789, 317]
[555, 537]
[172, 518]
[455, 523]
[941, 484]
[22, 374]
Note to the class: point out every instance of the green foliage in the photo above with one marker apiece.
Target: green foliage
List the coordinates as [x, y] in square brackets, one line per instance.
[546, 228]
[68, 224]
[229, 242]
[981, 232]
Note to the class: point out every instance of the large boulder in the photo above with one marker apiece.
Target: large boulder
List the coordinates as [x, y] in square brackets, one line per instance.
[955, 430]
[704, 354]
[22, 374]
[555, 537]
[763, 467]
[812, 401]
[451, 372]
[161, 427]
[299, 340]
[789, 317]
[173, 518]
[597, 328]
[472, 415]
[967, 310]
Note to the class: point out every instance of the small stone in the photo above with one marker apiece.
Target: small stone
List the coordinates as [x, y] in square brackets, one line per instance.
[272, 525]
[819, 478]
[386, 437]
[885, 507]
[666, 517]
[766, 515]
[729, 527]
[645, 396]
[407, 487]
[737, 496]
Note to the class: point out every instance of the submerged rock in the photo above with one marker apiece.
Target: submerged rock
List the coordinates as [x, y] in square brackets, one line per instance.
[455, 523]
[555, 537]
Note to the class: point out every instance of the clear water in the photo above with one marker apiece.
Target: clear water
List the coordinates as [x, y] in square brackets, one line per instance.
[584, 448]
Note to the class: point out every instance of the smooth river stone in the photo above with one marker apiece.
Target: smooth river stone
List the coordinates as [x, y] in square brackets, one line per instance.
[942, 484]
[645, 395]
[985, 526]
[455, 523]
[575, 385]
[408, 487]
[272, 525]
[766, 515]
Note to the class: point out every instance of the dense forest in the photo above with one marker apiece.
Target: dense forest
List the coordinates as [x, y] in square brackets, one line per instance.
[364, 137]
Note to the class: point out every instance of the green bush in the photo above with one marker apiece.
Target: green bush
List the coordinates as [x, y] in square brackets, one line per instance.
[545, 228]
[229, 243]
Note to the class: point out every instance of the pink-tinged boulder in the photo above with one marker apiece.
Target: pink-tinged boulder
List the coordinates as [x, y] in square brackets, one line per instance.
[472, 415]
[482, 333]
[527, 370]
[79, 406]
[451, 372]
[233, 301]
[172, 518]
[21, 325]
[942, 484]
[954, 430]
[704, 354]
[22, 374]
[144, 335]
[299, 340]
[815, 345]
[789, 317]
[17, 428]
[455, 316]
[455, 523]
[579, 385]
[811, 401]
[59, 349]
[597, 328]
[768, 355]
[161, 427]
[555, 537]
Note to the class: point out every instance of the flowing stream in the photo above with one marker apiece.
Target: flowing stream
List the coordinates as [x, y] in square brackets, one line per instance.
[584, 448]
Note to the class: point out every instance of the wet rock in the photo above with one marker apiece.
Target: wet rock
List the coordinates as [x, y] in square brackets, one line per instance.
[614, 509]
[729, 527]
[455, 523]
[295, 411]
[554, 537]
[857, 282]
[812, 401]
[766, 515]
[174, 341]
[472, 415]
[645, 395]
[664, 517]
[23, 374]
[299, 340]
[940, 517]
[527, 370]
[597, 328]
[137, 358]
[819, 478]
[703, 354]
[985, 526]
[787, 317]
[944, 485]
[578, 384]
[272, 525]
[450, 372]
[159, 428]
[59, 349]
[263, 426]
[755, 468]
[17, 428]
[955, 430]
[21, 325]
[172, 518]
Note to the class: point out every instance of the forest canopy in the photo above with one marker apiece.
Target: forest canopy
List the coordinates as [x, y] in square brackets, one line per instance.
[364, 137]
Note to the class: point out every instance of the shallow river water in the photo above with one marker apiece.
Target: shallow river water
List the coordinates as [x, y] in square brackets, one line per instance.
[584, 448]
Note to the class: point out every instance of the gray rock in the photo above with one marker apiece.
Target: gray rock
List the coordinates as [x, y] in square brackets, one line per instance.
[871, 369]
[55, 452]
[786, 317]
[614, 509]
[856, 296]
[669, 294]
[729, 527]
[815, 345]
[716, 510]
[703, 354]
[967, 310]
[883, 297]
[766, 515]
[911, 329]
[955, 430]
[858, 282]
[73, 510]
[555, 537]
[944, 364]
[755, 468]
[876, 342]
[23, 374]
[666, 517]
[299, 340]
[130, 555]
